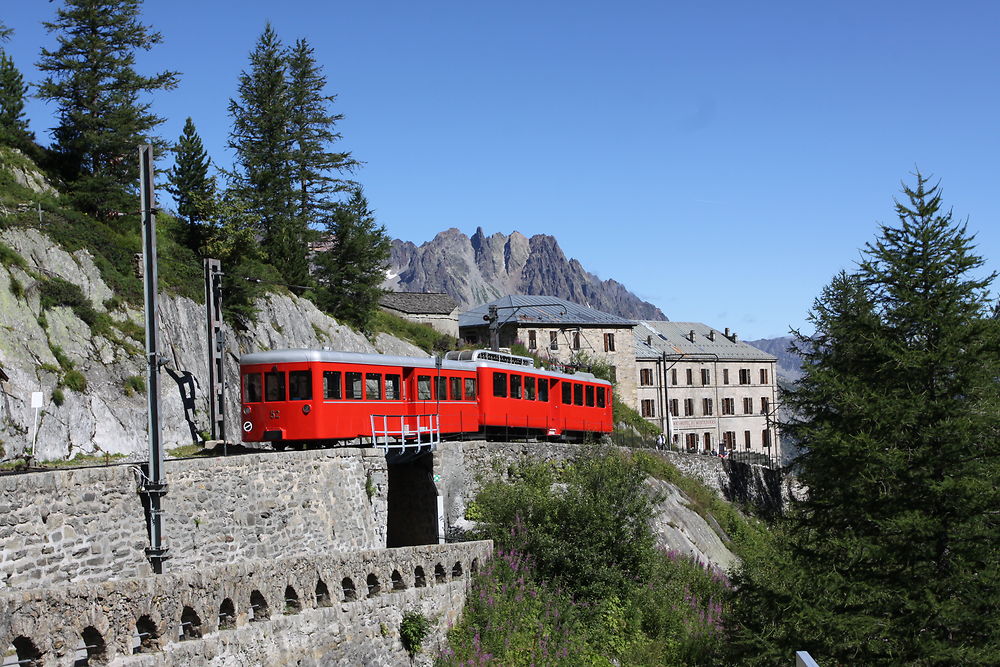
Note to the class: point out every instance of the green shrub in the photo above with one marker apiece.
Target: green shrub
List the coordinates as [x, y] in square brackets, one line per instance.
[413, 630]
[424, 336]
[61, 358]
[58, 397]
[75, 380]
[16, 288]
[10, 257]
[135, 384]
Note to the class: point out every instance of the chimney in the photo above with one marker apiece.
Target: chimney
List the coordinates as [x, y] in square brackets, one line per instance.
[727, 332]
[691, 336]
[711, 334]
[649, 340]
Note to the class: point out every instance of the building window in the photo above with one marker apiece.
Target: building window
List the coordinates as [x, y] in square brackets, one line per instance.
[647, 408]
[688, 407]
[707, 441]
[746, 439]
[553, 340]
[706, 377]
[690, 376]
[729, 406]
[692, 442]
[764, 405]
[706, 406]
[763, 376]
[646, 377]
[725, 376]
[609, 342]
[729, 440]
[744, 376]
[673, 376]
[765, 437]
[748, 406]
[532, 340]
[673, 407]
[576, 340]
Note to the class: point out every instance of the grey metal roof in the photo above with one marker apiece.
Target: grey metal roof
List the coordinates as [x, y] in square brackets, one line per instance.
[672, 338]
[436, 303]
[541, 310]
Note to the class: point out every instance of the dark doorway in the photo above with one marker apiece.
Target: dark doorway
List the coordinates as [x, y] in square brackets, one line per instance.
[412, 503]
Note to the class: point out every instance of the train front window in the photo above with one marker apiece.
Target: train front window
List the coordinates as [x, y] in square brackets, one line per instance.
[470, 389]
[515, 386]
[252, 388]
[589, 396]
[274, 386]
[455, 388]
[543, 389]
[424, 388]
[567, 393]
[442, 388]
[354, 386]
[500, 385]
[392, 387]
[600, 397]
[529, 388]
[331, 385]
[577, 394]
[300, 386]
[373, 386]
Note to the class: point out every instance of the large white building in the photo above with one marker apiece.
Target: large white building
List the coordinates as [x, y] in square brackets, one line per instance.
[705, 389]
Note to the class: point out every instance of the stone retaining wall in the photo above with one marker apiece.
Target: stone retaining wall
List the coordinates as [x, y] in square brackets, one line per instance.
[181, 618]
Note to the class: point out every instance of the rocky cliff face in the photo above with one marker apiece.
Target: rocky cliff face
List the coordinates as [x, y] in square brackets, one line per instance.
[482, 268]
[109, 414]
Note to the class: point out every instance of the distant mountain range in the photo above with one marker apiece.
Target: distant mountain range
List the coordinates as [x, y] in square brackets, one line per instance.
[482, 268]
[789, 363]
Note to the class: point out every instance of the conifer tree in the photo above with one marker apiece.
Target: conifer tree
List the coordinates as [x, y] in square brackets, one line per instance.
[892, 558]
[5, 32]
[102, 118]
[13, 126]
[192, 186]
[351, 272]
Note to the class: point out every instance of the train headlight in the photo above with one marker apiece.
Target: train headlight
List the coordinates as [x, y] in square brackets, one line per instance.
[306, 409]
[246, 409]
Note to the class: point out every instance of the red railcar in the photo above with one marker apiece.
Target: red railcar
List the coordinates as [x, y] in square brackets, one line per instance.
[302, 396]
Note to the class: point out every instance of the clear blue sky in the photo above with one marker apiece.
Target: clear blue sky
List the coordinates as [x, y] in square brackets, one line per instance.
[723, 160]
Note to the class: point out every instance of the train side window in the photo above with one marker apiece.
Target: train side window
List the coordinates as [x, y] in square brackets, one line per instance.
[577, 394]
[567, 392]
[391, 387]
[300, 386]
[442, 388]
[274, 386]
[600, 397]
[455, 389]
[354, 387]
[589, 396]
[470, 389]
[423, 387]
[529, 388]
[331, 385]
[373, 386]
[515, 386]
[543, 389]
[500, 385]
[252, 388]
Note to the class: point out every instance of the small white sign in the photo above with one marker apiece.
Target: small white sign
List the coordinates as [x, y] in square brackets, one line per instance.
[247, 426]
[36, 399]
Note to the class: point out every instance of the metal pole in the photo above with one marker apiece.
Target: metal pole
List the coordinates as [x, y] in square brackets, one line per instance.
[154, 486]
[216, 348]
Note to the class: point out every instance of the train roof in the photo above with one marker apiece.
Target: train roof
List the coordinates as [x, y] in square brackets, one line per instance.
[336, 356]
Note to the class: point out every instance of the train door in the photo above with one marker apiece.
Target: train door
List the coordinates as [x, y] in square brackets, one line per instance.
[555, 414]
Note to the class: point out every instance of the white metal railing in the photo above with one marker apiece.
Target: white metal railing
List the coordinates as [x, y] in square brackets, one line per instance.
[400, 432]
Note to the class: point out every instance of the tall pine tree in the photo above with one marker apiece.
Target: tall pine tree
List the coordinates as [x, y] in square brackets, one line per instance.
[351, 272]
[892, 558]
[13, 125]
[192, 186]
[102, 118]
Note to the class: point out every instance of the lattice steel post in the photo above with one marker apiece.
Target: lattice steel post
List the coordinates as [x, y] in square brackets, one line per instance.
[216, 347]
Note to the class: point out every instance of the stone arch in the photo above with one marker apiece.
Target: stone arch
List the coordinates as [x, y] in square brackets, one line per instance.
[227, 615]
[322, 594]
[258, 607]
[292, 603]
[27, 652]
[439, 576]
[190, 624]
[350, 594]
[147, 634]
[92, 649]
[456, 570]
[419, 579]
[397, 581]
[374, 587]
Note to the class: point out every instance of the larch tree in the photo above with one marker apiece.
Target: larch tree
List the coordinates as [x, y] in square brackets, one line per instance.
[13, 125]
[102, 116]
[350, 273]
[892, 557]
[192, 186]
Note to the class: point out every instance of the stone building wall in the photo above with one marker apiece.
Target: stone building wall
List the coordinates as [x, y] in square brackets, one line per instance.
[337, 608]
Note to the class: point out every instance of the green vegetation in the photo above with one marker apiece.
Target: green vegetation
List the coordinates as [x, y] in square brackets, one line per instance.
[187, 451]
[58, 397]
[11, 258]
[413, 630]
[135, 384]
[75, 380]
[423, 336]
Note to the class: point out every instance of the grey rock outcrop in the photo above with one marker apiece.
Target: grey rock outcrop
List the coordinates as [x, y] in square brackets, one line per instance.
[108, 416]
[482, 268]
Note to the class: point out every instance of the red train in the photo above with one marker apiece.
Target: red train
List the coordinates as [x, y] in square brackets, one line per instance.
[292, 397]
